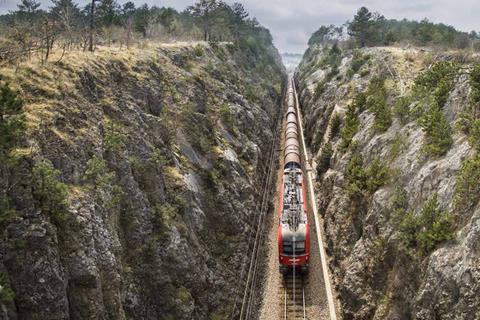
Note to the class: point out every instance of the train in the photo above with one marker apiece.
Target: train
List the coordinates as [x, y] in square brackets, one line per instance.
[293, 231]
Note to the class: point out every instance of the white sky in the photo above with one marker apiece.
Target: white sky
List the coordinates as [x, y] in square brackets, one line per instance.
[292, 21]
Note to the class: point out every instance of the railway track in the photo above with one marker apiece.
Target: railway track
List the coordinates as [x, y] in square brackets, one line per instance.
[294, 300]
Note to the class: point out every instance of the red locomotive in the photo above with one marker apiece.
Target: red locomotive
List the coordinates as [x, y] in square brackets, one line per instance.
[293, 237]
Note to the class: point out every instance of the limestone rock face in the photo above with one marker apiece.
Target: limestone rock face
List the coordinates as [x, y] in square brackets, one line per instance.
[161, 151]
[376, 277]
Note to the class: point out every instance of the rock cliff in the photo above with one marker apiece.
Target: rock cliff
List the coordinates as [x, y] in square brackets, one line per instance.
[131, 193]
[393, 132]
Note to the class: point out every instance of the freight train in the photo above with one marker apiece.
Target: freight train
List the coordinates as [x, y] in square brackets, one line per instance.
[293, 237]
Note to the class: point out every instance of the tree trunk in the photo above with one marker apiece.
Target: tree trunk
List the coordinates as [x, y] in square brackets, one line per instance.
[92, 22]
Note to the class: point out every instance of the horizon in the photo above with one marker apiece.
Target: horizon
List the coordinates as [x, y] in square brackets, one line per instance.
[291, 25]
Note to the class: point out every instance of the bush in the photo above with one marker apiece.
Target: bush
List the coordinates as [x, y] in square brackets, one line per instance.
[198, 50]
[226, 116]
[429, 228]
[350, 128]
[320, 89]
[113, 137]
[438, 132]
[324, 159]
[467, 191]
[469, 120]
[358, 61]
[355, 175]
[50, 193]
[377, 175]
[335, 125]
[12, 119]
[163, 216]
[97, 173]
[402, 109]
[365, 181]
[377, 104]
[398, 146]
[399, 204]
[437, 82]
[6, 292]
[6, 211]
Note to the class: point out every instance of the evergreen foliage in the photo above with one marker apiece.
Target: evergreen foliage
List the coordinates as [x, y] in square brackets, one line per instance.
[350, 127]
[467, 191]
[402, 109]
[424, 232]
[470, 119]
[433, 88]
[335, 125]
[373, 29]
[6, 292]
[377, 104]
[365, 181]
[358, 60]
[324, 160]
[438, 132]
[50, 192]
[12, 120]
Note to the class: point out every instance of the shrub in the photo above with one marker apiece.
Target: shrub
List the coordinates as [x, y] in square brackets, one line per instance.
[6, 292]
[226, 116]
[377, 104]
[12, 119]
[163, 216]
[474, 135]
[467, 191]
[335, 125]
[399, 204]
[365, 181]
[350, 128]
[50, 193]
[355, 174]
[437, 82]
[438, 132]
[436, 225]
[402, 109]
[324, 159]
[398, 146]
[320, 89]
[432, 226]
[358, 61]
[113, 137]
[377, 175]
[6, 211]
[360, 101]
[469, 120]
[198, 50]
[97, 173]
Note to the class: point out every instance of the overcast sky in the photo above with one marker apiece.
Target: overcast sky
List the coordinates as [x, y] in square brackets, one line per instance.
[292, 21]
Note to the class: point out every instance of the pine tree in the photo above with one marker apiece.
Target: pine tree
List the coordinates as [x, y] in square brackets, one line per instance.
[12, 121]
[361, 26]
[205, 11]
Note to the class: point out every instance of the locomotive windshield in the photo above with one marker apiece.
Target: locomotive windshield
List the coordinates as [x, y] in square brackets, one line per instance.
[291, 248]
